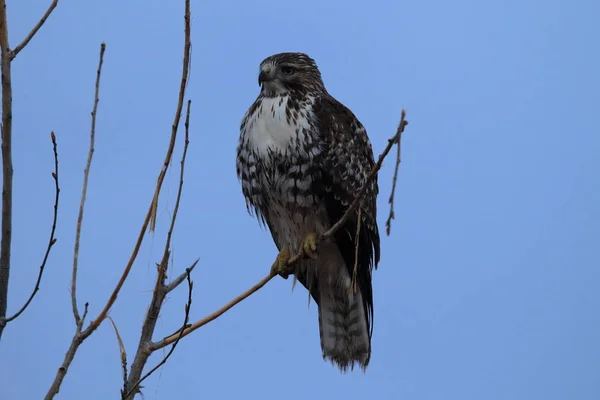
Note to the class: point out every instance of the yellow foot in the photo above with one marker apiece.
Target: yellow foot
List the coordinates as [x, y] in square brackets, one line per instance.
[280, 266]
[308, 248]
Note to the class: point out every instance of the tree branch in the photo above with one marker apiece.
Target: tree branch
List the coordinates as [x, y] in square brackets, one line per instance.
[136, 387]
[86, 175]
[36, 28]
[160, 289]
[52, 239]
[7, 168]
[351, 209]
[69, 356]
[397, 139]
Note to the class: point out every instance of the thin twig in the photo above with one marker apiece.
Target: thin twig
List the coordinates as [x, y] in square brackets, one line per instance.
[52, 239]
[7, 168]
[86, 174]
[186, 143]
[359, 197]
[36, 28]
[398, 141]
[160, 289]
[136, 386]
[79, 335]
[122, 351]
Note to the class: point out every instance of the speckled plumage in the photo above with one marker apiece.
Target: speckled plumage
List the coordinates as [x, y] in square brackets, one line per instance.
[302, 157]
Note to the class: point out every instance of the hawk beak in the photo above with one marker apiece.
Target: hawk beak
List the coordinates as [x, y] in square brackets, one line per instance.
[265, 75]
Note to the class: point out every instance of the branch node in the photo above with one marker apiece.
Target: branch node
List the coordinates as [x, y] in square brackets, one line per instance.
[33, 31]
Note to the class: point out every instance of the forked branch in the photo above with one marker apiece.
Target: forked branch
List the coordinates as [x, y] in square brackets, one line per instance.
[135, 387]
[34, 30]
[160, 291]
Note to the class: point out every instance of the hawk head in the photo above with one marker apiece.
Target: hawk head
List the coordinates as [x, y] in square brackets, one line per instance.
[289, 72]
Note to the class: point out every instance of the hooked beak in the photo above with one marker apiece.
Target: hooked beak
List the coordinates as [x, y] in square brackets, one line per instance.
[265, 75]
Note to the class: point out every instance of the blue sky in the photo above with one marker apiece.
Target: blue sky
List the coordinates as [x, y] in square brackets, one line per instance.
[488, 286]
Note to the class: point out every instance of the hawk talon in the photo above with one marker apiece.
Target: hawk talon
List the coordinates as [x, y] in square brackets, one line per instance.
[308, 248]
[280, 266]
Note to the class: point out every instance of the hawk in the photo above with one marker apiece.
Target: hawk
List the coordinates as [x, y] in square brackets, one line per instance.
[302, 157]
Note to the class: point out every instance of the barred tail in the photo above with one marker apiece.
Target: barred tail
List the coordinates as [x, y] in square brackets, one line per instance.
[343, 325]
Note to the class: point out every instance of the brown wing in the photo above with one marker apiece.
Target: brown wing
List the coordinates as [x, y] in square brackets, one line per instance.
[347, 163]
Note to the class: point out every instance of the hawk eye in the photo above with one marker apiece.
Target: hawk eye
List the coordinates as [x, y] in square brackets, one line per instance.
[288, 70]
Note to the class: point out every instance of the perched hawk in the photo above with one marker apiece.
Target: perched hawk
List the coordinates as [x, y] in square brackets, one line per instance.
[302, 157]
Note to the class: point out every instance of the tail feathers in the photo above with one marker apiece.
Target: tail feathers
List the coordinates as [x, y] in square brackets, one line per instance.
[343, 327]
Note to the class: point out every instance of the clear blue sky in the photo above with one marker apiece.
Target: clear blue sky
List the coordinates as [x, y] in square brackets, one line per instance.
[488, 286]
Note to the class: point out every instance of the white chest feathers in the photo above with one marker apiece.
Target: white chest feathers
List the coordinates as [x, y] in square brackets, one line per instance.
[271, 128]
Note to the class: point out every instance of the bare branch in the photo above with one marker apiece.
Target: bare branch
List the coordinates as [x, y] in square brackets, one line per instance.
[351, 209]
[36, 28]
[7, 168]
[69, 356]
[398, 140]
[135, 388]
[52, 239]
[86, 174]
[180, 188]
[122, 351]
[160, 289]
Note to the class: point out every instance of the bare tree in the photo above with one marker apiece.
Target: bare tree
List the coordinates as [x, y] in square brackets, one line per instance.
[134, 375]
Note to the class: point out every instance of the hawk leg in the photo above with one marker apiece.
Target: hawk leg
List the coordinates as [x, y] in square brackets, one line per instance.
[280, 266]
[308, 248]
